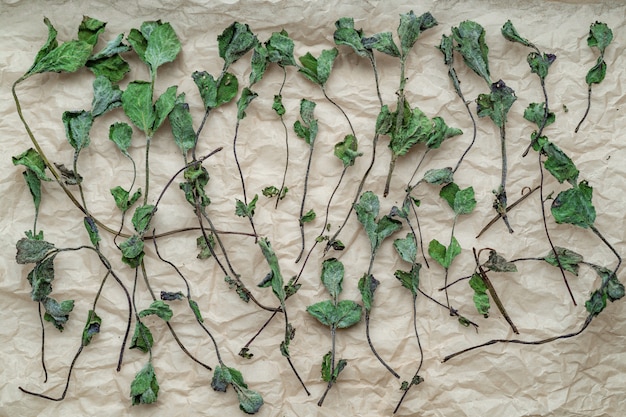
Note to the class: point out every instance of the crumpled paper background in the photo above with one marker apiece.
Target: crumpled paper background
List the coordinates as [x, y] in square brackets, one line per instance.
[581, 376]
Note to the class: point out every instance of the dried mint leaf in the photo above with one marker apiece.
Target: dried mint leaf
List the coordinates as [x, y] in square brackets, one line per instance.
[406, 248]
[574, 206]
[569, 259]
[145, 388]
[92, 327]
[57, 313]
[481, 299]
[158, 308]
[142, 338]
[498, 263]
[31, 251]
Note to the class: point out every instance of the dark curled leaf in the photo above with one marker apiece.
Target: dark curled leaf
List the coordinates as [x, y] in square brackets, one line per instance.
[132, 251]
[142, 338]
[497, 104]
[77, 127]
[244, 101]
[569, 259]
[40, 279]
[326, 367]
[367, 287]
[345, 34]
[171, 296]
[144, 389]
[92, 327]
[559, 164]
[574, 206]
[510, 34]
[235, 41]
[221, 378]
[481, 299]
[341, 364]
[34, 186]
[498, 263]
[446, 48]
[33, 161]
[57, 313]
[277, 106]
[31, 251]
[258, 64]
[158, 308]
[241, 291]
[69, 176]
[277, 282]
[470, 38]
[440, 132]
[92, 230]
[441, 176]
[613, 289]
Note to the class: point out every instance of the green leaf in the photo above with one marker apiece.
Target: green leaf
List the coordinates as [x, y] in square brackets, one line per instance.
[574, 206]
[569, 259]
[106, 96]
[470, 38]
[33, 161]
[347, 313]
[280, 49]
[163, 106]
[114, 68]
[444, 256]
[137, 105]
[347, 150]
[249, 401]
[326, 367]
[207, 86]
[410, 280]
[345, 34]
[57, 313]
[318, 70]
[448, 193]
[201, 243]
[30, 251]
[367, 287]
[613, 289]
[481, 299]
[386, 227]
[92, 327]
[142, 217]
[497, 104]
[51, 44]
[258, 64]
[277, 278]
[461, 201]
[67, 57]
[242, 210]
[77, 126]
[536, 113]
[277, 106]
[498, 263]
[113, 48]
[366, 210]
[144, 389]
[139, 43]
[90, 29]
[244, 101]
[446, 46]
[416, 128]
[411, 27]
[122, 201]
[308, 217]
[510, 34]
[40, 279]
[158, 308]
[163, 46]
[307, 128]
[559, 164]
[406, 248]
[539, 64]
[597, 73]
[332, 276]
[440, 131]
[182, 126]
[221, 378]
[132, 251]
[235, 41]
[92, 230]
[227, 89]
[596, 303]
[34, 186]
[142, 338]
[121, 134]
[600, 36]
[196, 310]
[382, 42]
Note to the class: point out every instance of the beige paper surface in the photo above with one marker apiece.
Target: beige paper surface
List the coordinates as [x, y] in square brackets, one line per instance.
[580, 376]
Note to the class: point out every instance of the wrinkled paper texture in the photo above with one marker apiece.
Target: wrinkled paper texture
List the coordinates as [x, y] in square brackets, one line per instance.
[580, 376]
